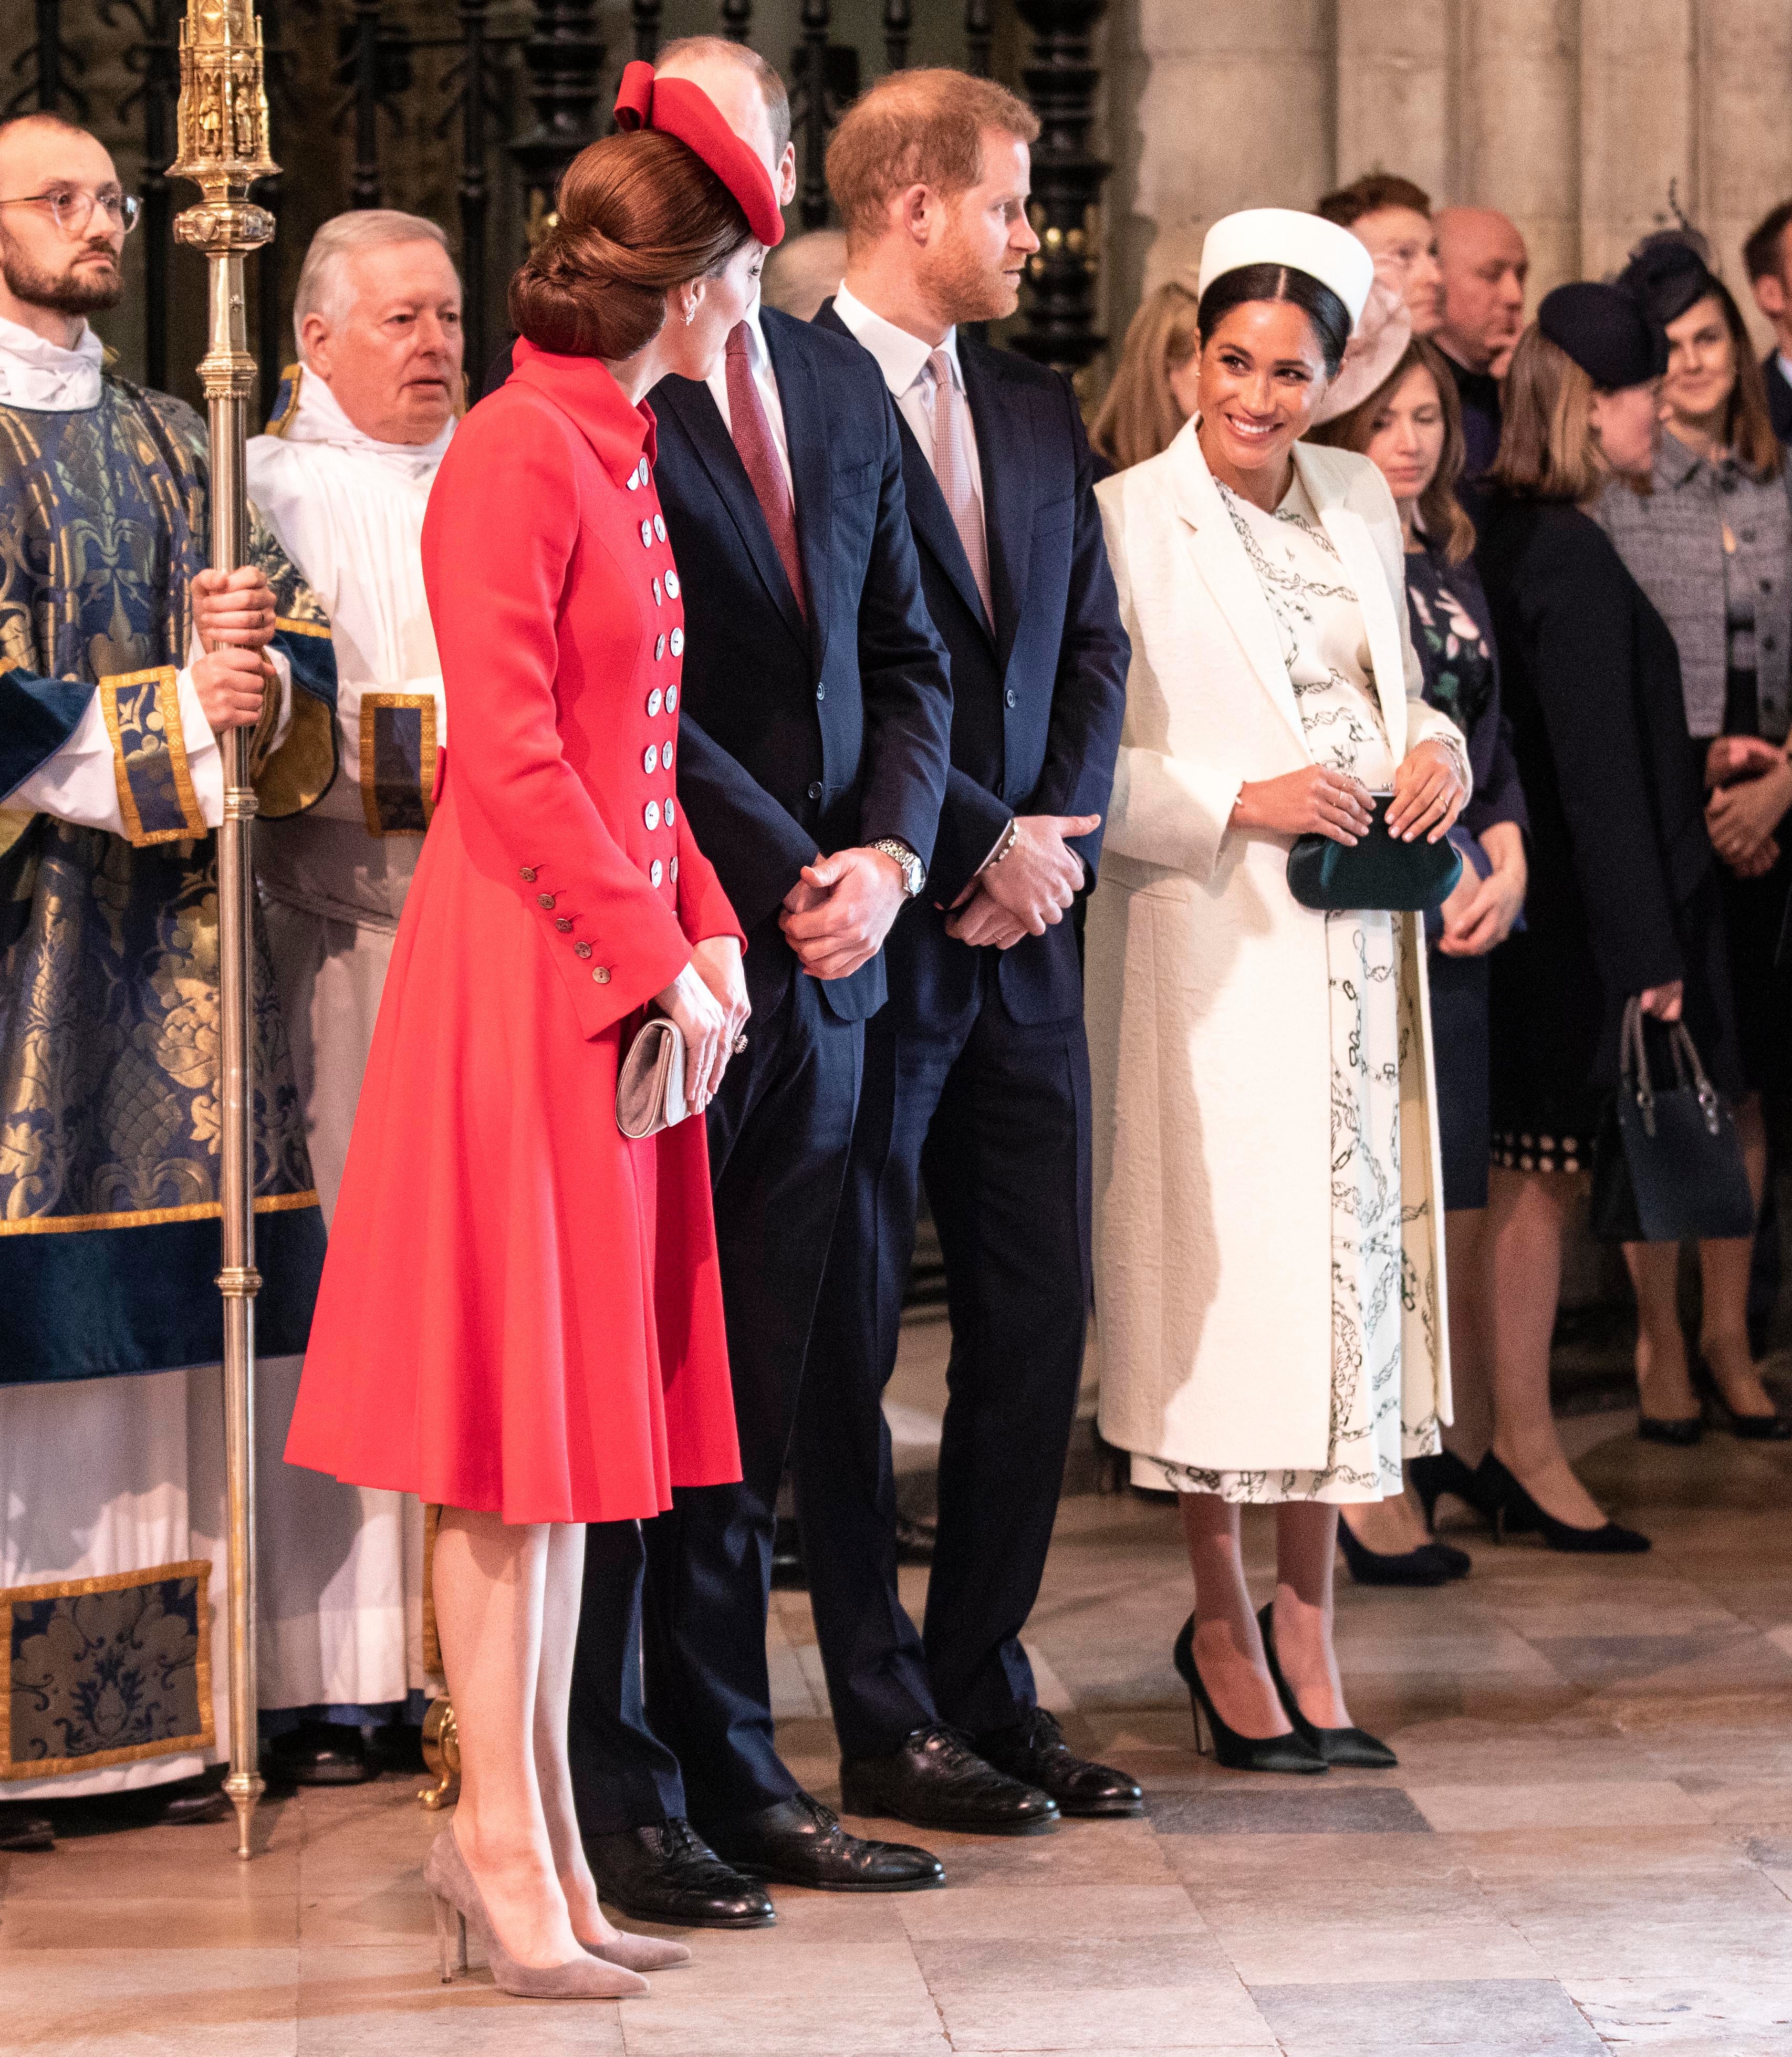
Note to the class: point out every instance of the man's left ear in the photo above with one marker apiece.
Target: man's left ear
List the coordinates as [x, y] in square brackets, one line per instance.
[787, 176]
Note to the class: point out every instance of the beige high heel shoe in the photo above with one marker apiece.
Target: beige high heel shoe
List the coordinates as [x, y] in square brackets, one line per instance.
[455, 1897]
[639, 1953]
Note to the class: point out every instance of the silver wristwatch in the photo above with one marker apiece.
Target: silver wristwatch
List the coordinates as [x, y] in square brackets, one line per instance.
[914, 872]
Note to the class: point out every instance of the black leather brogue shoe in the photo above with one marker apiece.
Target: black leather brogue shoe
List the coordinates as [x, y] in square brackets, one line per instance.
[799, 1841]
[937, 1780]
[319, 1753]
[666, 1871]
[1036, 1754]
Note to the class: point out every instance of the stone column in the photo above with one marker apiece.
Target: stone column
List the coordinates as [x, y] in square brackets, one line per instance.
[1397, 75]
[1520, 128]
[1639, 123]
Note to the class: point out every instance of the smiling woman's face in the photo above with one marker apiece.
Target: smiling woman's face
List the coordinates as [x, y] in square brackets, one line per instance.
[1262, 372]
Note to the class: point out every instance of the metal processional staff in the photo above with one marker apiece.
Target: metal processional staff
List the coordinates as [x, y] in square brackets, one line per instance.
[223, 144]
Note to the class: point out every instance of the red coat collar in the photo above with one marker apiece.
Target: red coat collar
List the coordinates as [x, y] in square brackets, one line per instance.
[615, 427]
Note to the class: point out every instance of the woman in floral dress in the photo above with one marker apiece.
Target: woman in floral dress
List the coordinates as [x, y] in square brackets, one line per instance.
[1270, 1289]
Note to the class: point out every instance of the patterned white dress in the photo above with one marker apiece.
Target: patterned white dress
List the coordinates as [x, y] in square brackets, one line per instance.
[1384, 1400]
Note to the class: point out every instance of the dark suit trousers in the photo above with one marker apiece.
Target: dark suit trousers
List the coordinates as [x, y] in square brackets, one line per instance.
[995, 1115]
[779, 1132]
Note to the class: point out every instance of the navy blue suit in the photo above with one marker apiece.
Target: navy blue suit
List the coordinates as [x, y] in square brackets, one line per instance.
[976, 1080]
[802, 729]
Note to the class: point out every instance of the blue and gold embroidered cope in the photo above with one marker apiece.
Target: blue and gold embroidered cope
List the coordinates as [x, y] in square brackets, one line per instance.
[109, 1140]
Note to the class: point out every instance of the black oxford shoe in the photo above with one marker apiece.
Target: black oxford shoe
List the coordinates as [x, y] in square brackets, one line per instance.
[798, 1841]
[319, 1753]
[937, 1780]
[1036, 1754]
[667, 1873]
[20, 1830]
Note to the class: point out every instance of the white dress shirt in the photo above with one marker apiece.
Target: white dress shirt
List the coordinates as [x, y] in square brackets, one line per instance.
[902, 358]
[759, 359]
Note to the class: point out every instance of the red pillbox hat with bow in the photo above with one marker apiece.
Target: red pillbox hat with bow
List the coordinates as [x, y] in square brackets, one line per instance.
[675, 107]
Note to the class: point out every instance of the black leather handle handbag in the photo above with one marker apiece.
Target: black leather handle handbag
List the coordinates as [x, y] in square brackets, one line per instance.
[1377, 871]
[1667, 1163]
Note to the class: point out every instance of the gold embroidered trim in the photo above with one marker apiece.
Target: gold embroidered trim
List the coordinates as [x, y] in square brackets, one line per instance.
[285, 625]
[168, 708]
[197, 1568]
[371, 706]
[271, 1203]
[290, 375]
[302, 769]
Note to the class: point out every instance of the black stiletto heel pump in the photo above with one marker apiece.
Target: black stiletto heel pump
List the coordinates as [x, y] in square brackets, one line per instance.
[1518, 1514]
[1354, 1747]
[1238, 1753]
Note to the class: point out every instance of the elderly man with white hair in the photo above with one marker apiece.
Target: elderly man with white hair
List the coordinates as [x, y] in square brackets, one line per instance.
[343, 478]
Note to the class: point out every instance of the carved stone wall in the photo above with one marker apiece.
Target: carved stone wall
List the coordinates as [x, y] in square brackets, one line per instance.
[1575, 116]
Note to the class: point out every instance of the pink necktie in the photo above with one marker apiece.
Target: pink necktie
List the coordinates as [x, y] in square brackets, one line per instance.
[952, 468]
[758, 453]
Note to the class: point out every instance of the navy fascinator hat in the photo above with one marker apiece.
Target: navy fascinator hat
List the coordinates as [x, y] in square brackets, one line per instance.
[1606, 330]
[1668, 274]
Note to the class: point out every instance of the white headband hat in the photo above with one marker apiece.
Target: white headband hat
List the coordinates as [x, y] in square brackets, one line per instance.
[1304, 242]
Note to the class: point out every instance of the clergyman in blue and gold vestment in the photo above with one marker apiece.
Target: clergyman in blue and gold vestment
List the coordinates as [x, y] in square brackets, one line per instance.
[111, 781]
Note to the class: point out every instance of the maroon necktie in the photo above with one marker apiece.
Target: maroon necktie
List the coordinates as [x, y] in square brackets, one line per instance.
[752, 439]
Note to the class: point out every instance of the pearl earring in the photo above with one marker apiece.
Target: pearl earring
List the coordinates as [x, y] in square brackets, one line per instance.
[690, 317]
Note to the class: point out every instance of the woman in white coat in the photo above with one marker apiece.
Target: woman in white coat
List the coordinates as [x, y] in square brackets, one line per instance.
[1269, 1262]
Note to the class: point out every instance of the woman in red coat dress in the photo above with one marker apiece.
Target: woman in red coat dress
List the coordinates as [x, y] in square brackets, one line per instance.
[521, 1317]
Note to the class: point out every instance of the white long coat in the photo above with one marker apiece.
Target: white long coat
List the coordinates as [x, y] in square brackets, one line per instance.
[1208, 1000]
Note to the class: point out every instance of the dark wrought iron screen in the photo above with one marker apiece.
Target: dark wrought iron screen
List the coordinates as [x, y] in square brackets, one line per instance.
[468, 111]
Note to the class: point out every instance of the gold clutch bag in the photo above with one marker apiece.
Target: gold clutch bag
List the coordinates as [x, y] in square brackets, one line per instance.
[650, 1086]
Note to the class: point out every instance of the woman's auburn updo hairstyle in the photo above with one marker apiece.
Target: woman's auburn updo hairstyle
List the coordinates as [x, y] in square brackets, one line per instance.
[639, 214]
[1328, 314]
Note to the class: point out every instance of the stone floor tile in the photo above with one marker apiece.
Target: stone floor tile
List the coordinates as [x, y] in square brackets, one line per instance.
[387, 2002]
[1215, 2011]
[92, 1867]
[1117, 1852]
[97, 2002]
[832, 2021]
[1057, 1961]
[1611, 1804]
[1348, 1861]
[1292, 1806]
[1290, 1899]
[1533, 2015]
[1693, 2017]
[149, 1923]
[1341, 1954]
[390, 1913]
[973, 1913]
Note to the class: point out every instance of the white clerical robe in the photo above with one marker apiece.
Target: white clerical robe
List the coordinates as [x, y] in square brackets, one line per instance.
[341, 1625]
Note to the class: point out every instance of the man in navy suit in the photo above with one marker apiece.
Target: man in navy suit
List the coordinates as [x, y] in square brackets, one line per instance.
[977, 1071]
[1769, 265]
[813, 736]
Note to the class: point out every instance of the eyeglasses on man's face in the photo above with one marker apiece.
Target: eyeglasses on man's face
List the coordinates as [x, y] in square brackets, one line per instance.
[72, 208]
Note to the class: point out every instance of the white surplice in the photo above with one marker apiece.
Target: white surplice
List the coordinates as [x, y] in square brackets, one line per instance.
[341, 1620]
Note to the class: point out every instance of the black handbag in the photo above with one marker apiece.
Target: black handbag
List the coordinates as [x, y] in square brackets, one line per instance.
[1667, 1164]
[1377, 871]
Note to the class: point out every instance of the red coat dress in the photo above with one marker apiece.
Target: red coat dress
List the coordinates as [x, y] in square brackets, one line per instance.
[522, 1310]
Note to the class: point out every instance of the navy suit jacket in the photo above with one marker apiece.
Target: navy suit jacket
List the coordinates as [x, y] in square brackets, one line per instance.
[1779, 396]
[1037, 695]
[799, 737]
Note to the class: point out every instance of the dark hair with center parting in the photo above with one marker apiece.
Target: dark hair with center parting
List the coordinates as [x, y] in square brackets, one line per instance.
[1328, 314]
[638, 214]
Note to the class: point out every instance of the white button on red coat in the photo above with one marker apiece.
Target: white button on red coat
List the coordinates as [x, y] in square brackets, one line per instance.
[655, 872]
[672, 698]
[659, 530]
[656, 700]
[647, 535]
[650, 759]
[665, 757]
[651, 815]
[671, 585]
[678, 642]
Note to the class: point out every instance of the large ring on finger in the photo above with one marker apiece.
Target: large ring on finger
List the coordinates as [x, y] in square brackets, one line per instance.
[738, 1045]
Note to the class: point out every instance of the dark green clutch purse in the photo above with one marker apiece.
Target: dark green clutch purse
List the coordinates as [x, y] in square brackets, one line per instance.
[1376, 872]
